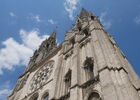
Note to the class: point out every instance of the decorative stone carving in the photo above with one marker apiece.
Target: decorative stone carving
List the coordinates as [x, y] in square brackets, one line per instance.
[68, 54]
[21, 82]
[65, 97]
[71, 33]
[84, 42]
[86, 31]
[90, 83]
[89, 64]
[67, 77]
[68, 46]
[79, 26]
[67, 80]
[41, 77]
[32, 60]
[36, 53]
[48, 44]
[83, 27]
[84, 14]
[44, 49]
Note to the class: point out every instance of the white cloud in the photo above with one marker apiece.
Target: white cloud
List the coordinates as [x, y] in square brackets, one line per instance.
[137, 19]
[104, 20]
[5, 90]
[34, 17]
[12, 14]
[32, 39]
[6, 85]
[4, 93]
[51, 21]
[37, 18]
[70, 7]
[17, 54]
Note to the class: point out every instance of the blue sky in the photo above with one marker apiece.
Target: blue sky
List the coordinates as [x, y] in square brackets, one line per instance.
[25, 23]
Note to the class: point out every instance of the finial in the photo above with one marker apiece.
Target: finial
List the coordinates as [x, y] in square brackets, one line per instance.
[53, 34]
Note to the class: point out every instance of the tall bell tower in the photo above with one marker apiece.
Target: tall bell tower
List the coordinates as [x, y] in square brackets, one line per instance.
[88, 65]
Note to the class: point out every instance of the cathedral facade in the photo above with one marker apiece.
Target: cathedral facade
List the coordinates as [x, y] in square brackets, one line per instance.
[88, 65]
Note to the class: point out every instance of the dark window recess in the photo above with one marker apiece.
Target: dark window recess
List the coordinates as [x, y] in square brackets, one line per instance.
[94, 96]
[46, 97]
[67, 80]
[72, 41]
[78, 21]
[92, 17]
[35, 98]
[47, 46]
[86, 32]
[67, 77]
[79, 26]
[89, 64]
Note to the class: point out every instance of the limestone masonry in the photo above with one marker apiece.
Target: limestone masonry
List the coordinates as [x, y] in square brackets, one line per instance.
[88, 65]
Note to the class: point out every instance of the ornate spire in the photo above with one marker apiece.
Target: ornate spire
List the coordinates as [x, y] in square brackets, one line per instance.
[53, 37]
[49, 43]
[44, 49]
[84, 13]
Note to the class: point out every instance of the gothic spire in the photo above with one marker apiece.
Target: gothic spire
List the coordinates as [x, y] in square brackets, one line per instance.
[53, 35]
[44, 49]
[83, 13]
[52, 40]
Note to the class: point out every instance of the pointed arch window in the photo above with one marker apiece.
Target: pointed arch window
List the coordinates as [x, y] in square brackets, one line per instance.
[86, 32]
[94, 96]
[46, 96]
[67, 80]
[92, 17]
[72, 41]
[89, 64]
[79, 25]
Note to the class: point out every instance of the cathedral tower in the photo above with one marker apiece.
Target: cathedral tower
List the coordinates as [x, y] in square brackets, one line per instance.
[88, 65]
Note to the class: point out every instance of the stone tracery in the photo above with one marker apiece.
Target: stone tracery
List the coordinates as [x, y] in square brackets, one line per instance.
[41, 76]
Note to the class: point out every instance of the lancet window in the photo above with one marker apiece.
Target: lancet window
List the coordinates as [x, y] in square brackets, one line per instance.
[45, 96]
[89, 64]
[89, 67]
[67, 79]
[94, 96]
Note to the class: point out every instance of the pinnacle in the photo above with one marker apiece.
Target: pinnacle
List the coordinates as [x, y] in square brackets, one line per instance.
[84, 13]
[53, 34]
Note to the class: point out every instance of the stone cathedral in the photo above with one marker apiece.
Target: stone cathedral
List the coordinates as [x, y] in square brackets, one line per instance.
[88, 65]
